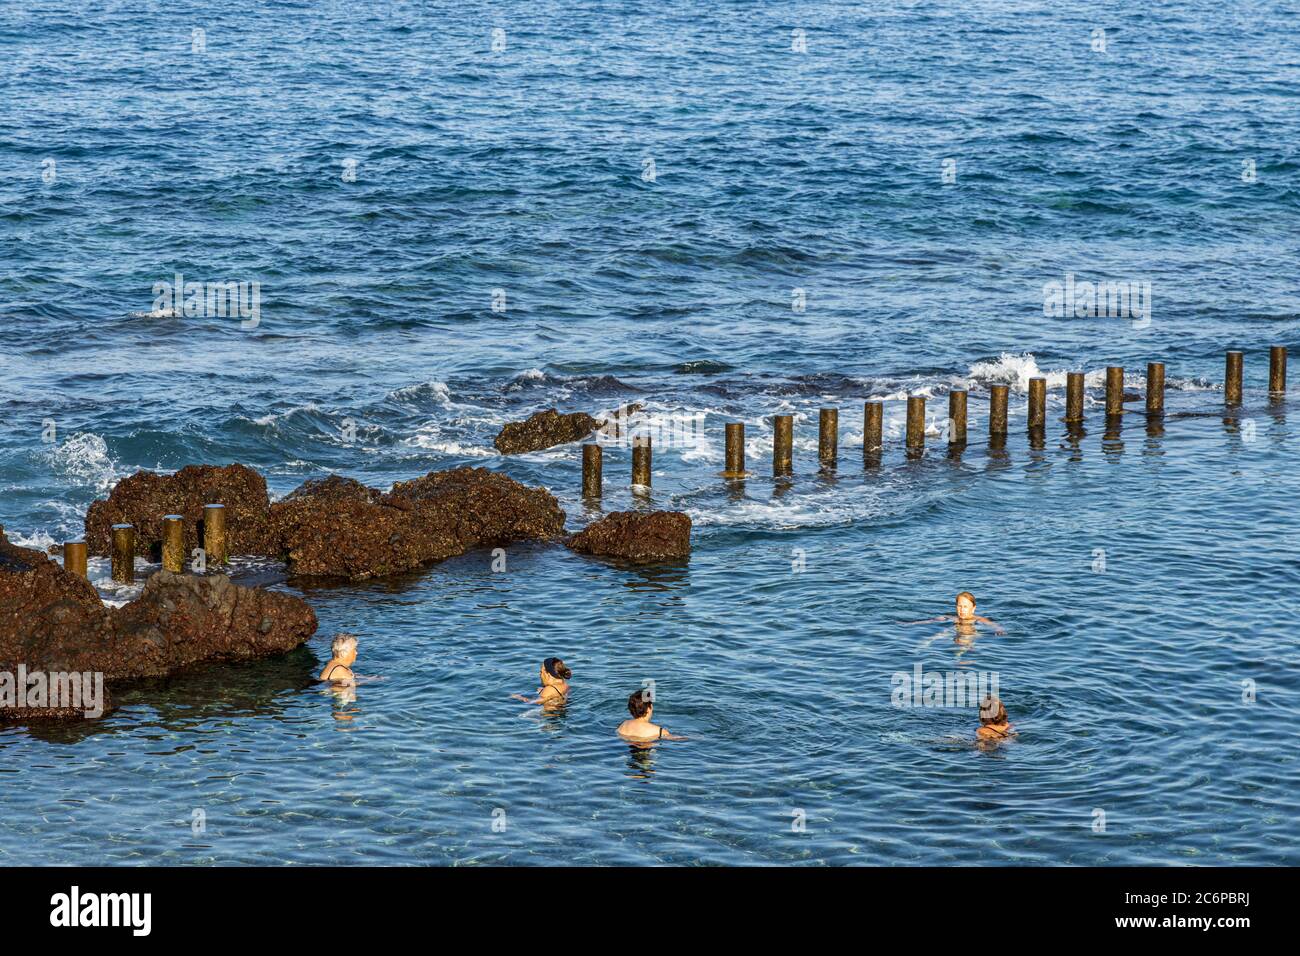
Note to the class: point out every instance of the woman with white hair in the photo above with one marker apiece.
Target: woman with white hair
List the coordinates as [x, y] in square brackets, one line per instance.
[344, 650]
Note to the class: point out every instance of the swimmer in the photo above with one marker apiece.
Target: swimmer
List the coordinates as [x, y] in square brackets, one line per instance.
[555, 684]
[344, 651]
[965, 618]
[994, 724]
[639, 728]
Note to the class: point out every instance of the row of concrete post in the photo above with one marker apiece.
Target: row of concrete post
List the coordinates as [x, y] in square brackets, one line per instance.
[873, 420]
[122, 545]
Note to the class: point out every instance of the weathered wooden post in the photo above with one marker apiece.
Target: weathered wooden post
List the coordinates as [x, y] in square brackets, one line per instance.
[641, 460]
[1037, 404]
[957, 418]
[1155, 388]
[782, 444]
[74, 557]
[173, 544]
[1277, 370]
[828, 437]
[735, 451]
[1074, 398]
[1114, 390]
[873, 418]
[592, 470]
[998, 395]
[915, 425]
[1232, 379]
[214, 534]
[123, 554]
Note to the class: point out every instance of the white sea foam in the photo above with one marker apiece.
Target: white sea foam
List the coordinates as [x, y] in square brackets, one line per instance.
[273, 418]
[37, 540]
[438, 392]
[84, 456]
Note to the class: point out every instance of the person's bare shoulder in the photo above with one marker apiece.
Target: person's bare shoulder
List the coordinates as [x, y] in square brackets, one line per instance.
[336, 672]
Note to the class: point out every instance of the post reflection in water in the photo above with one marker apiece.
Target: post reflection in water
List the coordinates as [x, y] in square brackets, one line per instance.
[1072, 440]
[1112, 445]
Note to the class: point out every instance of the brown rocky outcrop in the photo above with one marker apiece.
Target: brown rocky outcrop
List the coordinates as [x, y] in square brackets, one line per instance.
[638, 536]
[144, 498]
[356, 532]
[53, 621]
[334, 526]
[544, 429]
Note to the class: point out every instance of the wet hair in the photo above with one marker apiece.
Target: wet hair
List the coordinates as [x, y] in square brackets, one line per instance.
[966, 594]
[992, 711]
[556, 668]
[343, 643]
[639, 703]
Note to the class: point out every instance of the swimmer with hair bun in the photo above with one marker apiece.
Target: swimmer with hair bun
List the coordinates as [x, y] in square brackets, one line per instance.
[554, 691]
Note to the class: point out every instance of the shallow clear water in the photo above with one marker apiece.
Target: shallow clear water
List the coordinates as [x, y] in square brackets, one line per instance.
[522, 170]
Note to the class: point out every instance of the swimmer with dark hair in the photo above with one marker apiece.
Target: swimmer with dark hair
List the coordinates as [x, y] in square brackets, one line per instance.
[639, 729]
[554, 691]
[994, 725]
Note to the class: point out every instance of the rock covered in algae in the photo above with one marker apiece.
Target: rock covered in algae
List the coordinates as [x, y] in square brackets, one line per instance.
[638, 536]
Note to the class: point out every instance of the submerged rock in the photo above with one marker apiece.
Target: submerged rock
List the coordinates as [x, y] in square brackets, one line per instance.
[544, 429]
[335, 529]
[143, 499]
[53, 621]
[640, 536]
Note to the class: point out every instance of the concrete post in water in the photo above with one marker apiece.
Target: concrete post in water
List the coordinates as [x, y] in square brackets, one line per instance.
[1277, 370]
[173, 544]
[592, 476]
[1073, 398]
[957, 417]
[998, 409]
[735, 451]
[1037, 404]
[1155, 388]
[915, 424]
[74, 557]
[1114, 390]
[1232, 379]
[828, 437]
[782, 444]
[123, 562]
[214, 534]
[641, 460]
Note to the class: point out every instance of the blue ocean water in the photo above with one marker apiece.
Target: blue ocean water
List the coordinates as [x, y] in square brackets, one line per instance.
[722, 211]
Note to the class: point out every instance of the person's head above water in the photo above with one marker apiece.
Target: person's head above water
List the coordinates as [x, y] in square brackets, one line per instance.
[639, 704]
[555, 669]
[992, 711]
[344, 648]
[965, 606]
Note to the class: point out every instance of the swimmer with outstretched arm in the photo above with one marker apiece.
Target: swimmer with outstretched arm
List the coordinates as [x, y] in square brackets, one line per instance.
[555, 684]
[965, 615]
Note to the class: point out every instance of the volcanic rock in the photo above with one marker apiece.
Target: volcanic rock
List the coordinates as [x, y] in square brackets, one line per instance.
[143, 499]
[53, 621]
[638, 536]
[544, 429]
[335, 529]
